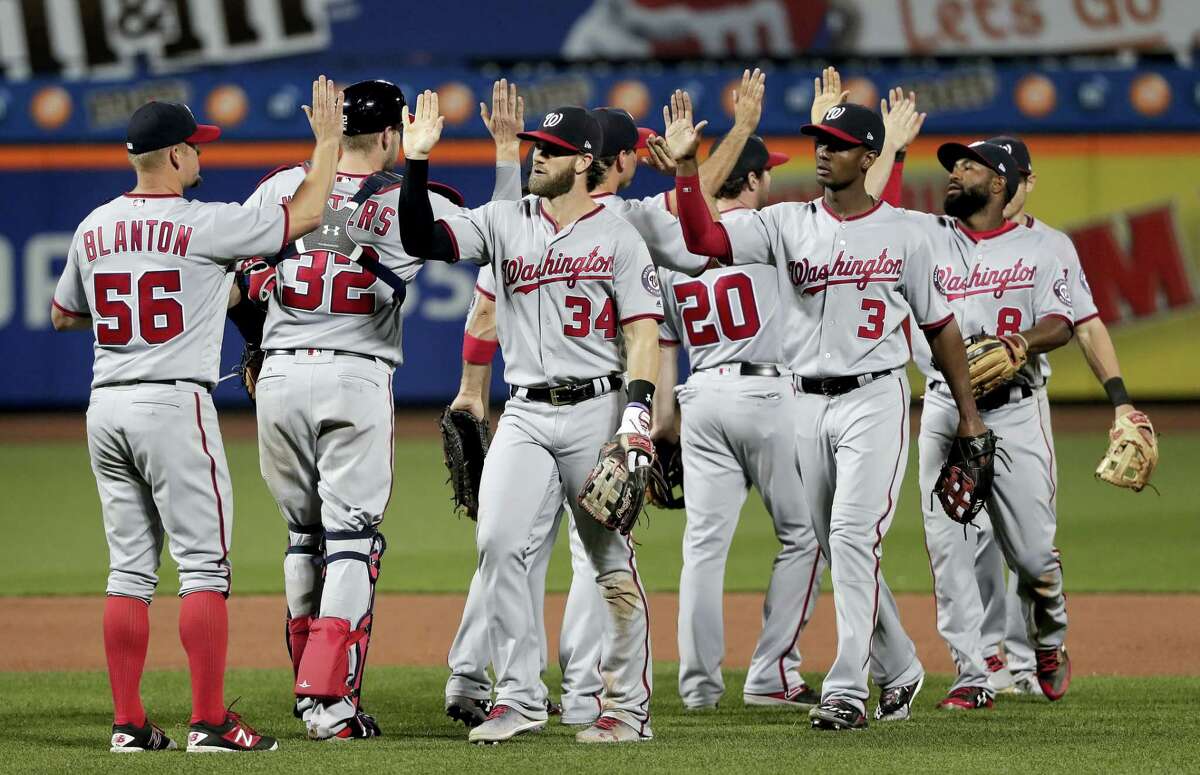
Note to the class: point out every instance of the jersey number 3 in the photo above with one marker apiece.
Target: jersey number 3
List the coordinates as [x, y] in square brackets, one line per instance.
[120, 299]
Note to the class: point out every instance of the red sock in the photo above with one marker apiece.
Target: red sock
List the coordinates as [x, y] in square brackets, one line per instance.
[204, 630]
[126, 636]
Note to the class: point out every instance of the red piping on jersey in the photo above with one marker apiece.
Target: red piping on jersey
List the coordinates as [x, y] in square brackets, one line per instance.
[837, 217]
[341, 174]
[131, 195]
[812, 578]
[1070, 323]
[937, 325]
[731, 209]
[668, 342]
[1086, 318]
[391, 446]
[287, 225]
[979, 236]
[546, 215]
[453, 240]
[68, 312]
[212, 472]
[814, 289]
[651, 315]
[276, 171]
[887, 511]
[491, 296]
[1029, 221]
[1049, 451]
[646, 662]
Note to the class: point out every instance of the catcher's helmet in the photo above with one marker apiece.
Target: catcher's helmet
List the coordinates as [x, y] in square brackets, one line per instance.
[371, 106]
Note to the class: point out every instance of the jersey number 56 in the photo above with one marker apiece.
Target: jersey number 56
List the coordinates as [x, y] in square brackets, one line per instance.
[127, 307]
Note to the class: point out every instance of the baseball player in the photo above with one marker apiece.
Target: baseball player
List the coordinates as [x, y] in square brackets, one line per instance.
[1004, 281]
[1005, 629]
[736, 432]
[147, 272]
[577, 304]
[850, 271]
[469, 688]
[332, 339]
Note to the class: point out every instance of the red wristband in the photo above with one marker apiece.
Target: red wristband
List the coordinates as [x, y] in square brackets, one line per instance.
[478, 351]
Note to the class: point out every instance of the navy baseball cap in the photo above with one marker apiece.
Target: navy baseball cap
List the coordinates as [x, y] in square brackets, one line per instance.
[755, 157]
[571, 128]
[158, 125]
[621, 132]
[994, 157]
[1015, 146]
[850, 123]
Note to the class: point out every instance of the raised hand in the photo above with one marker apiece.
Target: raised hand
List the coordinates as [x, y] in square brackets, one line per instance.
[901, 121]
[507, 115]
[827, 92]
[682, 136]
[658, 155]
[748, 99]
[325, 113]
[425, 128]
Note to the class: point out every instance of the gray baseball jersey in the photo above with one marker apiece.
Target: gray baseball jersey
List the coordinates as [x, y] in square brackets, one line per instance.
[562, 293]
[998, 283]
[854, 283]
[151, 272]
[726, 315]
[330, 302]
[658, 228]
[1082, 303]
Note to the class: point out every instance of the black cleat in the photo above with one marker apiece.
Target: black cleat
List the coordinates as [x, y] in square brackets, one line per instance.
[837, 715]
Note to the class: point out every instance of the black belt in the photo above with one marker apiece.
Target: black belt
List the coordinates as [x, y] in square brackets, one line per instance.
[750, 369]
[127, 382]
[836, 386]
[302, 350]
[997, 398]
[570, 393]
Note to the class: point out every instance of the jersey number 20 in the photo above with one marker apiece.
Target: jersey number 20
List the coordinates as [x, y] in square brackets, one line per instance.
[695, 307]
[120, 299]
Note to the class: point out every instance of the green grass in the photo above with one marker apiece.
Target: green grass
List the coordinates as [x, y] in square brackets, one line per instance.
[1112, 540]
[57, 722]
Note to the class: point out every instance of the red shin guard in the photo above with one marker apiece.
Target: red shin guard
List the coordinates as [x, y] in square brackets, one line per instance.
[297, 639]
[333, 656]
[126, 637]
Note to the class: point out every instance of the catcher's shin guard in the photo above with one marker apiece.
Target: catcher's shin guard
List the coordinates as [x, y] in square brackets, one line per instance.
[335, 655]
[302, 579]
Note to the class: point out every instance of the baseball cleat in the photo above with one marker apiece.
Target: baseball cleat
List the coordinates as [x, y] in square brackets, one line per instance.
[999, 678]
[553, 709]
[895, 703]
[504, 723]
[1024, 683]
[360, 726]
[470, 711]
[967, 698]
[837, 715]
[710, 708]
[126, 738]
[1053, 672]
[800, 697]
[232, 736]
[608, 729]
[303, 707]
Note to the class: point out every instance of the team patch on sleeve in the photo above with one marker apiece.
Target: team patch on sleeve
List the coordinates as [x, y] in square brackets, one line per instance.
[650, 280]
[1061, 291]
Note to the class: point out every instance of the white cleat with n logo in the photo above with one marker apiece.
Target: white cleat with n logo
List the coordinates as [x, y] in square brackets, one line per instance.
[232, 736]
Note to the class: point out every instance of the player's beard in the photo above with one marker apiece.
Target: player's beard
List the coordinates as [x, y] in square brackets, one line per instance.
[551, 187]
[966, 203]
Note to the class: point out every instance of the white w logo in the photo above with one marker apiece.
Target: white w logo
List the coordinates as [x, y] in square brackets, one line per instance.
[552, 119]
[834, 113]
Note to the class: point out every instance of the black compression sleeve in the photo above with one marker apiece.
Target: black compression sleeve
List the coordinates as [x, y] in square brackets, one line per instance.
[419, 234]
[249, 318]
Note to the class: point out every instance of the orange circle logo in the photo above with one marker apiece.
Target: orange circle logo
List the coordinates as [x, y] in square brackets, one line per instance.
[456, 101]
[1035, 95]
[50, 107]
[1150, 94]
[631, 96]
[862, 92]
[227, 105]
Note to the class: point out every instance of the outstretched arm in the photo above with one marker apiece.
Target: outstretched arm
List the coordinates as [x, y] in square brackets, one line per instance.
[308, 203]
[505, 119]
[1101, 356]
[902, 123]
[418, 233]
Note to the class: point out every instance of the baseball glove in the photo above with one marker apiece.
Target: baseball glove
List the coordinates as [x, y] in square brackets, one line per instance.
[994, 361]
[465, 442]
[666, 475]
[615, 490]
[1132, 453]
[249, 367]
[965, 482]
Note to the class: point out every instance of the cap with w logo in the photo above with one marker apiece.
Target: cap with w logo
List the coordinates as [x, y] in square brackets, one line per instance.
[850, 123]
[571, 128]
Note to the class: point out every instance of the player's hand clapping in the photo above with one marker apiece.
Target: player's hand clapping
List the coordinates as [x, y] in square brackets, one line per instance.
[682, 135]
[325, 113]
[424, 130]
[827, 92]
[505, 119]
[748, 100]
[901, 121]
